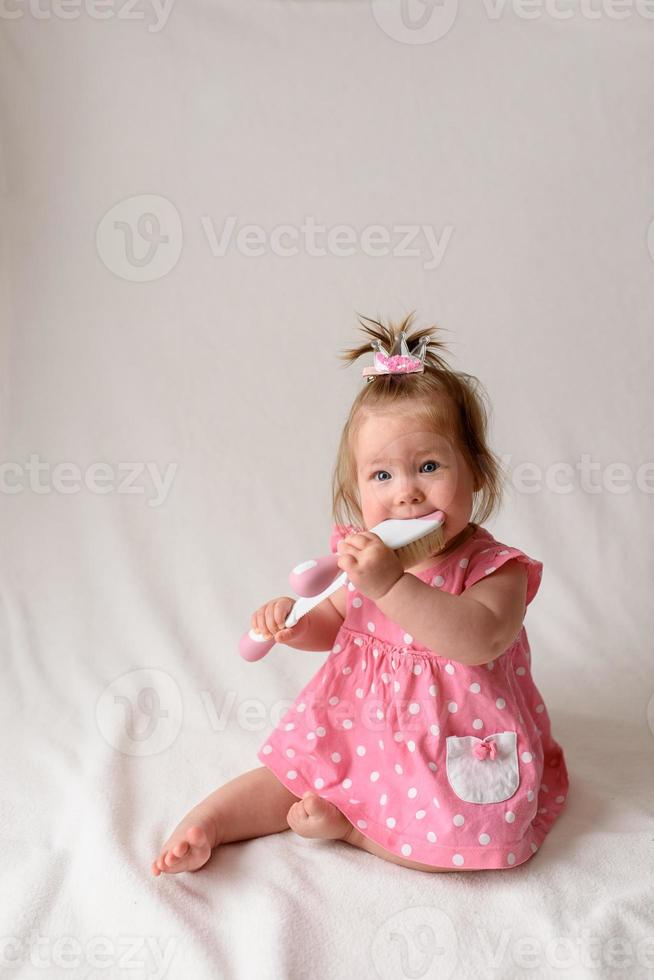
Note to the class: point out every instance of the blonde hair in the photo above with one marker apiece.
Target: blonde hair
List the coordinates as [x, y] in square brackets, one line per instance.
[449, 401]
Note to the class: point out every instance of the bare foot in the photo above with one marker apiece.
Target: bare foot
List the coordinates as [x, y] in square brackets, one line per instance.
[312, 816]
[187, 849]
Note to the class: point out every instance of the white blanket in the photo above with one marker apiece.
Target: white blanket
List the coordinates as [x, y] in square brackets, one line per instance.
[171, 405]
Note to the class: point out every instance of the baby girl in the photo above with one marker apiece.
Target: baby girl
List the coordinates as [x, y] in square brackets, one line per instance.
[422, 738]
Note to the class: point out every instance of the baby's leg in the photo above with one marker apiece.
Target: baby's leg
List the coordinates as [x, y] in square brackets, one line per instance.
[253, 804]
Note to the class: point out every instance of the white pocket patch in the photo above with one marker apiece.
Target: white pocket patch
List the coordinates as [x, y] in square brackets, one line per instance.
[481, 772]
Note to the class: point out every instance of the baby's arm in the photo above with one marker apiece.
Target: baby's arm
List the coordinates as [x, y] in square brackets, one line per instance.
[322, 624]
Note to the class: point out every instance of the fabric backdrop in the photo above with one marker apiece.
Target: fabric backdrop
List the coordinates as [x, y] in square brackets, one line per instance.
[197, 200]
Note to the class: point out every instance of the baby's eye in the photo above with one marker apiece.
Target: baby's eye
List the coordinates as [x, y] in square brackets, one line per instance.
[431, 462]
[374, 475]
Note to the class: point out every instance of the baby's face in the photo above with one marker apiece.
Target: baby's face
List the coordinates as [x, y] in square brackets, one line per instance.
[405, 470]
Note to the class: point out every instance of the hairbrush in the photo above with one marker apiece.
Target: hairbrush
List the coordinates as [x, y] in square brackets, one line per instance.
[412, 540]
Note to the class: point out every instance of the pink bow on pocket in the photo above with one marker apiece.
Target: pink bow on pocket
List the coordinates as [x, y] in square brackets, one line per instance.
[485, 750]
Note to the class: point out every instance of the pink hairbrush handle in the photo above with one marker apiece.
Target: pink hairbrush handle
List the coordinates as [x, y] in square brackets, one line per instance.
[310, 577]
[253, 646]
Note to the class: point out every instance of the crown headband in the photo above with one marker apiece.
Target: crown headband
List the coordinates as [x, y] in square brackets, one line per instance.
[404, 362]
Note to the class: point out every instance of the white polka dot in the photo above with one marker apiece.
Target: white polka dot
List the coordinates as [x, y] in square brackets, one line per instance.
[414, 708]
[420, 814]
[334, 700]
[406, 849]
[543, 809]
[504, 551]
[336, 648]
[464, 563]
[358, 641]
[347, 670]
[534, 847]
[411, 745]
[380, 715]
[434, 729]
[484, 839]
[390, 822]
[432, 766]
[398, 736]
[511, 858]
[291, 774]
[490, 665]
[290, 753]
[458, 820]
[363, 665]
[432, 690]
[560, 799]
[361, 750]
[431, 837]
[319, 783]
[347, 723]
[540, 708]
[336, 756]
[362, 824]
[520, 671]
[374, 776]
[449, 668]
[267, 749]
[320, 731]
[311, 735]
[371, 627]
[289, 727]
[386, 678]
[396, 686]
[417, 669]
[407, 638]
[383, 799]
[526, 757]
[452, 706]
[475, 688]
[530, 795]
[487, 571]
[381, 744]
[359, 692]
[457, 859]
[394, 664]
[346, 783]
[398, 769]
[501, 703]
[412, 793]
[509, 816]
[375, 653]
[439, 580]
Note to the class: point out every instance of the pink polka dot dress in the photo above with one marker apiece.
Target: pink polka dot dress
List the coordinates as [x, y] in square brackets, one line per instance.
[444, 764]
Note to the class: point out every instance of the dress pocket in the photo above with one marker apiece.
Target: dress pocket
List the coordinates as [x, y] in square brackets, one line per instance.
[483, 770]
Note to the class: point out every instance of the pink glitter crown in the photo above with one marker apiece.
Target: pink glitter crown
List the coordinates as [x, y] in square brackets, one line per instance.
[401, 361]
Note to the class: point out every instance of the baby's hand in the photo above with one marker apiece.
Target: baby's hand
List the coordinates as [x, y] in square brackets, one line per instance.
[270, 619]
[369, 564]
